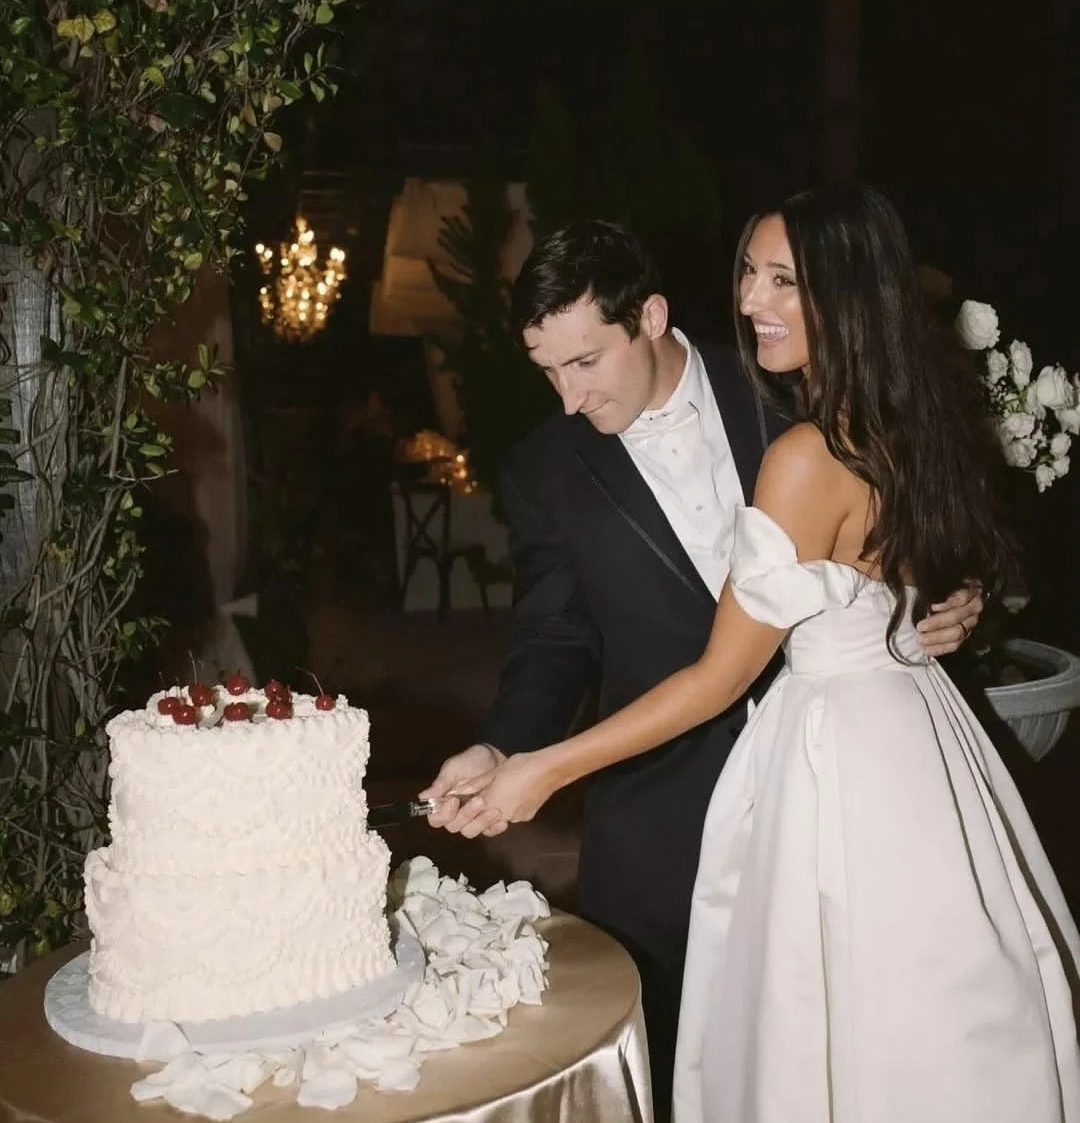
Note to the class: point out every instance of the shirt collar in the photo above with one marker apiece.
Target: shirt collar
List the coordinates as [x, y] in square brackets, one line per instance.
[688, 390]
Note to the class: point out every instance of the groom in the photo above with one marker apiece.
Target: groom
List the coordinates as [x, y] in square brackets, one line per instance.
[621, 513]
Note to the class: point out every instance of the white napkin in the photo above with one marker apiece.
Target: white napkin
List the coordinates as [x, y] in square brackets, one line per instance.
[483, 958]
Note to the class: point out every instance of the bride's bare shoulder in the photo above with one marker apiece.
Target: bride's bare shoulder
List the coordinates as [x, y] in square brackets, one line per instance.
[806, 490]
[801, 449]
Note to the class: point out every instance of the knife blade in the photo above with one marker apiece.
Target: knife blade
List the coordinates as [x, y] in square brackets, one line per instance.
[395, 814]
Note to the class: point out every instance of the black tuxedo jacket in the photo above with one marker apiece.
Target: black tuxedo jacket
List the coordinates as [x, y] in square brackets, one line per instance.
[604, 592]
[605, 595]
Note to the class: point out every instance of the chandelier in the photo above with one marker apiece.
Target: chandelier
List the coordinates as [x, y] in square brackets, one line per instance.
[299, 292]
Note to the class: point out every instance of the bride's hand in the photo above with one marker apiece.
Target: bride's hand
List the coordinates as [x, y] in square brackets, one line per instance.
[512, 792]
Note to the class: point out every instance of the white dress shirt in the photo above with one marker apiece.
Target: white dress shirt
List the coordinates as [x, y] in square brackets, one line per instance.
[682, 452]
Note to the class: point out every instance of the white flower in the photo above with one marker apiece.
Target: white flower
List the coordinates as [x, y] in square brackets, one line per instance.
[1017, 425]
[1021, 377]
[1020, 358]
[1053, 389]
[1031, 401]
[997, 365]
[1015, 602]
[977, 325]
[1069, 420]
[1037, 417]
[1020, 453]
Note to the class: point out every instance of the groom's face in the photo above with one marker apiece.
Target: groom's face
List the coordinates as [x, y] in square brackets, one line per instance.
[596, 368]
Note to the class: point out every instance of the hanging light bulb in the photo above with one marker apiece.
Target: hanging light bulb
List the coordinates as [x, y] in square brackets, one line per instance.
[299, 293]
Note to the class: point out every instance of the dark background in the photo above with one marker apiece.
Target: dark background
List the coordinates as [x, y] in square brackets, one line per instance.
[966, 113]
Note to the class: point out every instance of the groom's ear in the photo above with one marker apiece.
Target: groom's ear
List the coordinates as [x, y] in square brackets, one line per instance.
[654, 316]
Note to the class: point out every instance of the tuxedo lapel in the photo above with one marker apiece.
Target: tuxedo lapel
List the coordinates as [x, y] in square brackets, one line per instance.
[609, 465]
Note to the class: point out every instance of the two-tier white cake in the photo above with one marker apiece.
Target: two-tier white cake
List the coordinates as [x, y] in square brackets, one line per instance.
[241, 876]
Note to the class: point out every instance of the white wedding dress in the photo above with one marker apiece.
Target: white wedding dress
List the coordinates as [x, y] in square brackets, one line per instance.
[876, 934]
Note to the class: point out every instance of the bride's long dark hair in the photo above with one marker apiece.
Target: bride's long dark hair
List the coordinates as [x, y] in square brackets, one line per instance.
[913, 426]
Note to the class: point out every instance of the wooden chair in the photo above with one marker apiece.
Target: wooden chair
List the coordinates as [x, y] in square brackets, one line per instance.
[428, 509]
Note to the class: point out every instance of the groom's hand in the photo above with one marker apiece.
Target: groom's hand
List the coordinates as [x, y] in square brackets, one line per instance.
[950, 623]
[467, 765]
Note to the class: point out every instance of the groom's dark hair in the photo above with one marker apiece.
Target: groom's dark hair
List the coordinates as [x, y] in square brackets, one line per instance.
[596, 259]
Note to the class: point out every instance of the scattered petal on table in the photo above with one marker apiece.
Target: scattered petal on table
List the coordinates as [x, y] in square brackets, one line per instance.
[483, 958]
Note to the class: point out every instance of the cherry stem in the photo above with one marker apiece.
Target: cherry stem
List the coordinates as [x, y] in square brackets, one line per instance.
[315, 677]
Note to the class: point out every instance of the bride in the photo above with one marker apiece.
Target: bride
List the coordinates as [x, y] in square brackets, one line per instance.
[876, 934]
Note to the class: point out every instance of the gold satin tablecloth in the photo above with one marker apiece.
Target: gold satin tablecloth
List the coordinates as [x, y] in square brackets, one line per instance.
[579, 1057]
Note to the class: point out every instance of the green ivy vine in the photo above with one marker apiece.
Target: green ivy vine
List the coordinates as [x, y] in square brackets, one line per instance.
[128, 131]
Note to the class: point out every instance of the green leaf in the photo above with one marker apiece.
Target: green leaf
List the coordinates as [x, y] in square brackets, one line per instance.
[324, 13]
[128, 629]
[78, 28]
[196, 380]
[149, 450]
[273, 141]
[103, 21]
[290, 90]
[18, 26]
[80, 727]
[193, 261]
[154, 76]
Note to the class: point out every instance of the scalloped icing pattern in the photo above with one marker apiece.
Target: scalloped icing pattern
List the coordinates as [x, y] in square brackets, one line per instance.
[241, 876]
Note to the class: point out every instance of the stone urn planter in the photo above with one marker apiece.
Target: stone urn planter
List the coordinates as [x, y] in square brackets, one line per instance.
[1038, 710]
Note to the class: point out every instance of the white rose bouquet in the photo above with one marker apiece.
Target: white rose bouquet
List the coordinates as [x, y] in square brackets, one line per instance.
[1037, 415]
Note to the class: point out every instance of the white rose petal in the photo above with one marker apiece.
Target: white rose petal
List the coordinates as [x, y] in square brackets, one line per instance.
[1020, 359]
[1061, 466]
[1069, 420]
[1017, 425]
[997, 366]
[1053, 389]
[1031, 400]
[1044, 476]
[977, 326]
[1060, 443]
[1021, 453]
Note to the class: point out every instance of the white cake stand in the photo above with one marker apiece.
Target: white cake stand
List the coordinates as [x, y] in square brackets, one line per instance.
[68, 1012]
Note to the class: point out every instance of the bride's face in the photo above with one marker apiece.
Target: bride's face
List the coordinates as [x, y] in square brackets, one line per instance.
[769, 298]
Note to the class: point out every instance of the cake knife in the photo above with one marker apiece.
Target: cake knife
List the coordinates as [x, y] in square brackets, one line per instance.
[394, 814]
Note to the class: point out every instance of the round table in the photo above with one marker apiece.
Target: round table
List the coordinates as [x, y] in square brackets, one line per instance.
[581, 1055]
